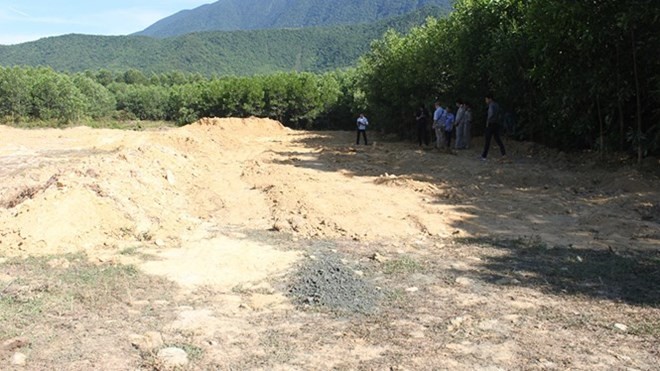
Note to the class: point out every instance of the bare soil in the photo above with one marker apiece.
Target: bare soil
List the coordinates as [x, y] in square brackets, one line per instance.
[244, 243]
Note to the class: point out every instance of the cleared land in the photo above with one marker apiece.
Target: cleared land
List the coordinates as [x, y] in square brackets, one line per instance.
[250, 246]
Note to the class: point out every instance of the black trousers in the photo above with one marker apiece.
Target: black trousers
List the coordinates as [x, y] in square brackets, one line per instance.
[448, 138]
[493, 130]
[364, 135]
[422, 133]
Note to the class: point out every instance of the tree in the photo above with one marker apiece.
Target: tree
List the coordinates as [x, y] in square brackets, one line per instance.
[145, 102]
[15, 98]
[54, 97]
[97, 101]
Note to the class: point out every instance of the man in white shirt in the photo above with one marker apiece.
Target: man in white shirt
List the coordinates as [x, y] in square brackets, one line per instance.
[362, 124]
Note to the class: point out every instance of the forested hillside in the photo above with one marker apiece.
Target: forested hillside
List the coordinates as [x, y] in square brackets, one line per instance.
[233, 15]
[222, 53]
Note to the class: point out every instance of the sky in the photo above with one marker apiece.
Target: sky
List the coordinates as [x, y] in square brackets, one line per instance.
[29, 20]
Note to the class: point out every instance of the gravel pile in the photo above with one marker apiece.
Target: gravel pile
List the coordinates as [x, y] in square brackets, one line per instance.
[324, 281]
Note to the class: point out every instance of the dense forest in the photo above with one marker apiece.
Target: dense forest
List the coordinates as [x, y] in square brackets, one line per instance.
[571, 75]
[235, 15]
[300, 100]
[213, 53]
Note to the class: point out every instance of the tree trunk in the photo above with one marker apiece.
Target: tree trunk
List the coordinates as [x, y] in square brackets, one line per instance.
[619, 101]
[600, 123]
[639, 99]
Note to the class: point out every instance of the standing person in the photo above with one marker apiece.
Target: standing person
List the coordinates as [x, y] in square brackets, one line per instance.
[492, 126]
[460, 119]
[449, 127]
[422, 118]
[467, 125]
[362, 124]
[438, 124]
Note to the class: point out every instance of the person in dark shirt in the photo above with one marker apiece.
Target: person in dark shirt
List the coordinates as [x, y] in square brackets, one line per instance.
[422, 119]
[492, 127]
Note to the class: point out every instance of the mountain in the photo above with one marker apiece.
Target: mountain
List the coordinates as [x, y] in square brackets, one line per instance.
[315, 49]
[233, 15]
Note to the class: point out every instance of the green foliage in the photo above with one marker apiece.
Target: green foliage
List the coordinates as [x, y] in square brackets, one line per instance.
[299, 100]
[53, 96]
[145, 102]
[570, 74]
[340, 113]
[97, 100]
[402, 265]
[15, 99]
[296, 99]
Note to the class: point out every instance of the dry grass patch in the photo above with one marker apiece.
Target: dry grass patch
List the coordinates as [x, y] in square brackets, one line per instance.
[75, 314]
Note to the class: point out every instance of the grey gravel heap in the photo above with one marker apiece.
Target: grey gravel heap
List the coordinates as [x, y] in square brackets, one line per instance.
[324, 281]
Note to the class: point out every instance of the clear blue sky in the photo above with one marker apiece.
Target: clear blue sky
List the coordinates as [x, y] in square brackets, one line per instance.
[28, 20]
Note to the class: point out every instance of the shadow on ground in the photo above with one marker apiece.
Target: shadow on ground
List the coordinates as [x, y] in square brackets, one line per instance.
[632, 277]
[528, 196]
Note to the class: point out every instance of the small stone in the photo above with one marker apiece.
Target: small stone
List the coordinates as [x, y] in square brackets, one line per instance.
[15, 343]
[160, 243]
[412, 289]
[92, 173]
[417, 334]
[456, 323]
[173, 357]
[464, 281]
[621, 327]
[507, 281]
[170, 177]
[297, 223]
[149, 341]
[5, 278]
[19, 359]
[280, 225]
[378, 257]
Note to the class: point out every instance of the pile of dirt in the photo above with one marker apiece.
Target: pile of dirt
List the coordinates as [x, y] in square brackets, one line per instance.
[87, 189]
[83, 189]
[251, 125]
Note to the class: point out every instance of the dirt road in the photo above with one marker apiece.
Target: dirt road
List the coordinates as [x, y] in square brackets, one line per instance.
[540, 262]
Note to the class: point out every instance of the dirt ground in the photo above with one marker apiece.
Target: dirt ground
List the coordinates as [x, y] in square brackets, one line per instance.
[115, 245]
